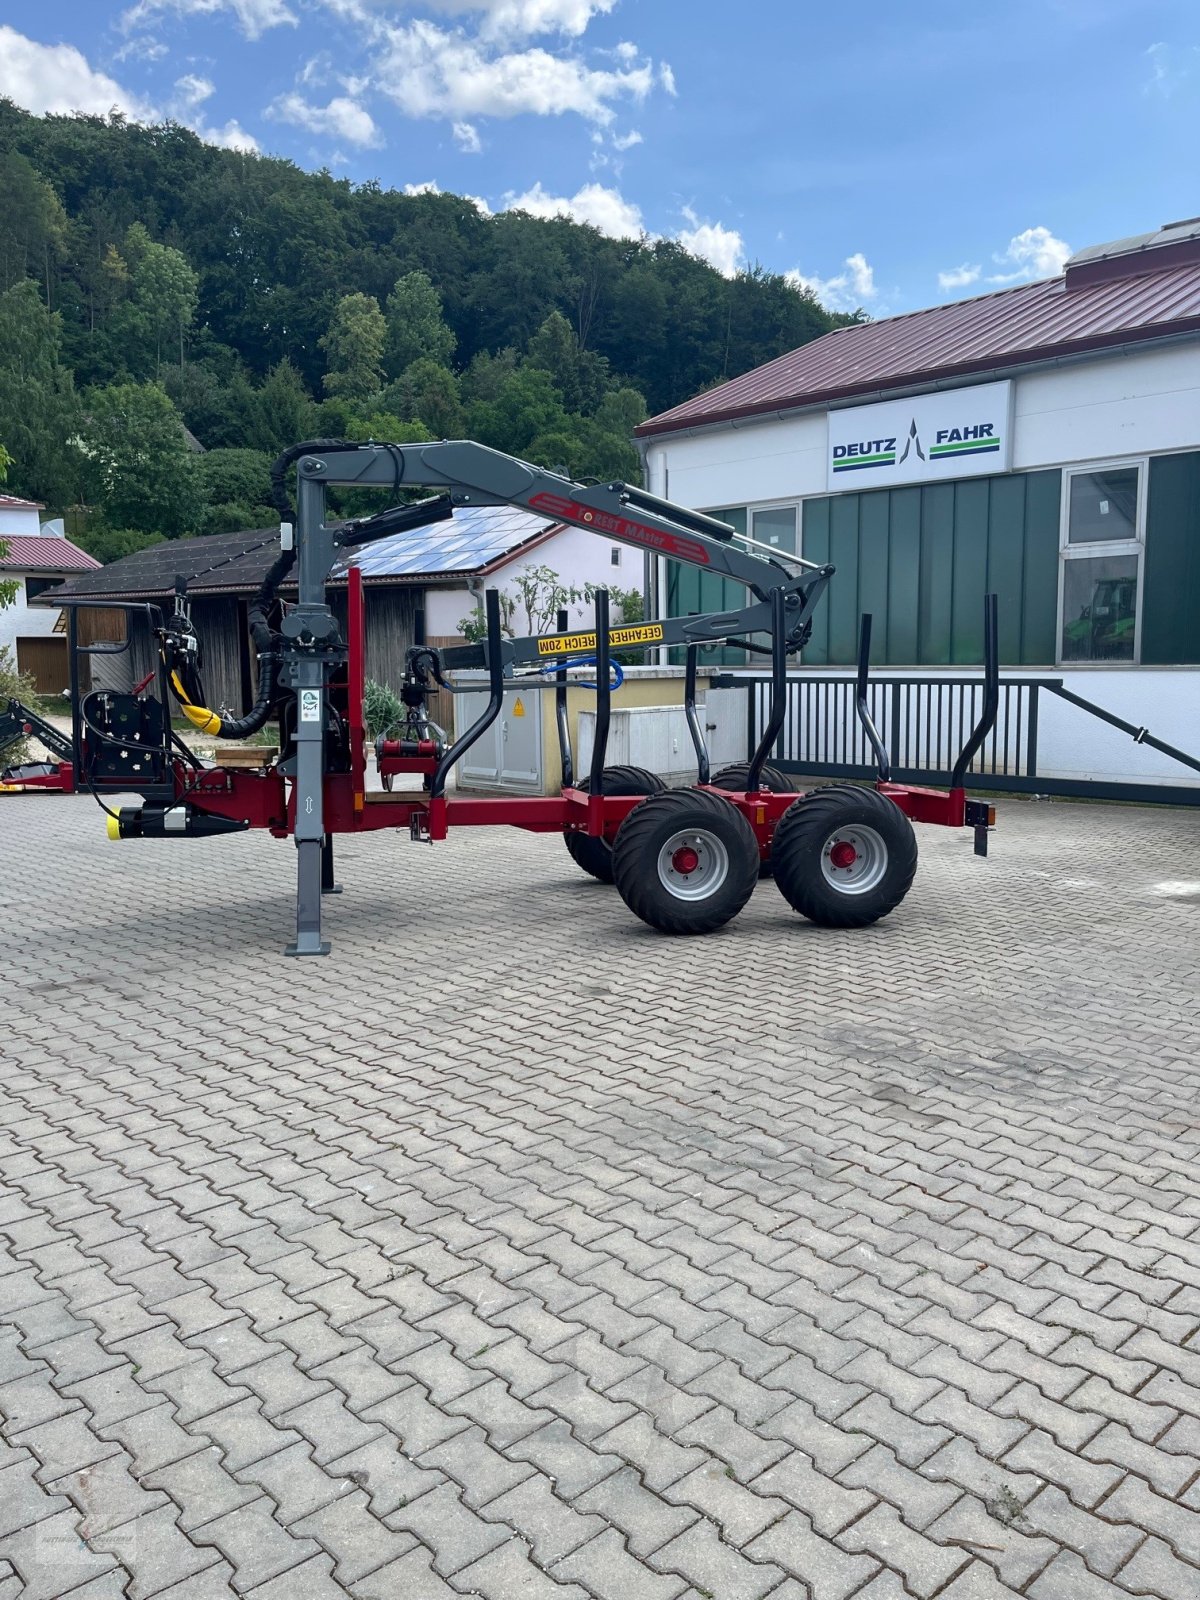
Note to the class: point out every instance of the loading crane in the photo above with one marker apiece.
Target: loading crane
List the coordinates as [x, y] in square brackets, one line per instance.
[684, 861]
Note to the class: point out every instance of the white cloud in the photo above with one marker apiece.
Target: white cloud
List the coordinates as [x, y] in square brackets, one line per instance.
[522, 19]
[191, 91]
[429, 72]
[1035, 253]
[605, 209]
[342, 118]
[57, 79]
[431, 187]
[626, 141]
[143, 48]
[466, 137]
[667, 78]
[721, 247]
[254, 17]
[1170, 68]
[959, 277]
[847, 290]
[231, 137]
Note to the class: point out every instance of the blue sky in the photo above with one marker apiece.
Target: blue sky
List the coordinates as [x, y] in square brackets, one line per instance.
[891, 156]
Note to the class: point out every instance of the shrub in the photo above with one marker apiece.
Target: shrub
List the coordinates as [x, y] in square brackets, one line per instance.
[382, 708]
[14, 685]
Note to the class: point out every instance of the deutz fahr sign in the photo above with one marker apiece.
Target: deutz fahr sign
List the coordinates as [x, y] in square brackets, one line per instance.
[961, 433]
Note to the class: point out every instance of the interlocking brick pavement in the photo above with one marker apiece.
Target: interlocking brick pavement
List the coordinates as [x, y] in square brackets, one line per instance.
[517, 1251]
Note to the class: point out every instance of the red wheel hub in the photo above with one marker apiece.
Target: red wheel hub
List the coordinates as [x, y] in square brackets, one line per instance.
[685, 860]
[843, 854]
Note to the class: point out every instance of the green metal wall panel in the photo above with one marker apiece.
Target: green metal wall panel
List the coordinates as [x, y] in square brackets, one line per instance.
[1006, 560]
[815, 547]
[921, 559]
[970, 569]
[904, 576]
[937, 574]
[873, 552]
[1039, 611]
[1171, 593]
[842, 595]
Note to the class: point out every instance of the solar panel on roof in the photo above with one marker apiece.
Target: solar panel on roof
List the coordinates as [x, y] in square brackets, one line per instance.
[477, 536]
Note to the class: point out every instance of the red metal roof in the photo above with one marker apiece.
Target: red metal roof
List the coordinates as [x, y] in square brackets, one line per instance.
[13, 502]
[27, 553]
[1032, 323]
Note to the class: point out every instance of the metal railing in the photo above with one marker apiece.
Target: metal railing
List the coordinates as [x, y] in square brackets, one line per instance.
[924, 722]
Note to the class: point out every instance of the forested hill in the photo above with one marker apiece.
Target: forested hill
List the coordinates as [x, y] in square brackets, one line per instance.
[141, 269]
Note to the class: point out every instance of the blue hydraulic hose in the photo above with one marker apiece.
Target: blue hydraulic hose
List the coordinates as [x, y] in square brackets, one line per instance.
[586, 661]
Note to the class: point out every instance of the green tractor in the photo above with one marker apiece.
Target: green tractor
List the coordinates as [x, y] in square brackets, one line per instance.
[1104, 630]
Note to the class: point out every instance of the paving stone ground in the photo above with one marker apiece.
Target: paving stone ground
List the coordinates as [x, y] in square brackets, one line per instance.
[517, 1251]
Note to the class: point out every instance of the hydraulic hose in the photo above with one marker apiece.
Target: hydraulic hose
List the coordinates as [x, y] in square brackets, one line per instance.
[188, 690]
[186, 685]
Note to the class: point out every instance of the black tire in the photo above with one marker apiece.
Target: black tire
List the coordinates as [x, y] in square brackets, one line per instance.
[734, 778]
[772, 780]
[595, 855]
[672, 897]
[871, 882]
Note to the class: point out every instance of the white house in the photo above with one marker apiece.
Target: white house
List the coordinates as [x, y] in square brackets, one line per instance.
[1041, 442]
[38, 556]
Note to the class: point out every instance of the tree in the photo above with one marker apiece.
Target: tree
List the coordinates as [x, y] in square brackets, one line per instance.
[526, 405]
[281, 411]
[416, 329]
[161, 302]
[8, 587]
[38, 407]
[139, 468]
[429, 394]
[540, 596]
[354, 348]
[34, 235]
[224, 475]
[235, 486]
[580, 376]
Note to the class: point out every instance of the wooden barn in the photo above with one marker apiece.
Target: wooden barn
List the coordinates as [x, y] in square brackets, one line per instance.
[438, 570]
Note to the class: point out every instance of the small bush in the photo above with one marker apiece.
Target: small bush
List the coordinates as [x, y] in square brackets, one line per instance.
[382, 708]
[14, 685]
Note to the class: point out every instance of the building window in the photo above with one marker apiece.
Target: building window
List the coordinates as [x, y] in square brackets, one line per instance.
[36, 586]
[1103, 535]
[615, 555]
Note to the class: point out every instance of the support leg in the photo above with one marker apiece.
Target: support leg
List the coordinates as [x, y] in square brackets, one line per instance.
[328, 886]
[308, 901]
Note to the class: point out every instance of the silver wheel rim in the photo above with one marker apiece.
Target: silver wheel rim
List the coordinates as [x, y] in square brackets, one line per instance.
[693, 864]
[854, 859]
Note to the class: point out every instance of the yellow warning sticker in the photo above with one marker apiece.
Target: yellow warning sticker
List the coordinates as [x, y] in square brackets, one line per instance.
[565, 644]
[519, 708]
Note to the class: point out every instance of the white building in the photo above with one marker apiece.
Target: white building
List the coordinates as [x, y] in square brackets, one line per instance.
[38, 557]
[1042, 442]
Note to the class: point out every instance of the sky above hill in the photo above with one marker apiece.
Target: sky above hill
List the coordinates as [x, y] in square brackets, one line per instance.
[889, 156]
